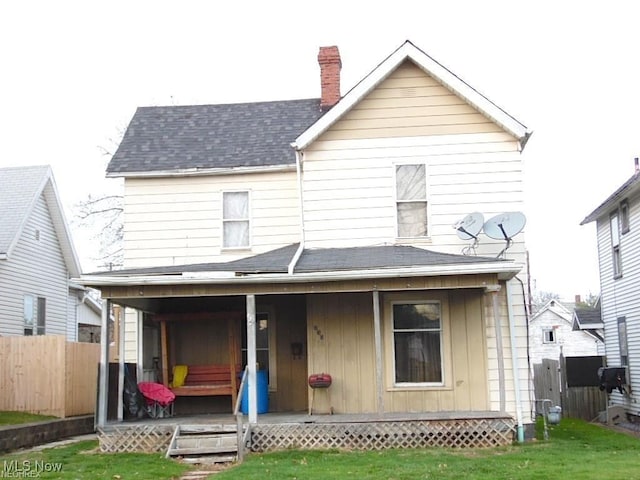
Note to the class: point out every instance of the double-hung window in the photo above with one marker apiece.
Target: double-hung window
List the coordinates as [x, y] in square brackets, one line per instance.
[614, 226]
[235, 219]
[549, 335]
[34, 312]
[417, 343]
[411, 200]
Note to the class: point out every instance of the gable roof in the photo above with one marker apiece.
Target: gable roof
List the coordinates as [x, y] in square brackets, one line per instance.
[314, 264]
[555, 307]
[20, 188]
[198, 139]
[630, 186]
[216, 139]
[587, 317]
[408, 51]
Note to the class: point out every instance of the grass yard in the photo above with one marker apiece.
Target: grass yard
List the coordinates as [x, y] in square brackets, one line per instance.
[576, 450]
[16, 418]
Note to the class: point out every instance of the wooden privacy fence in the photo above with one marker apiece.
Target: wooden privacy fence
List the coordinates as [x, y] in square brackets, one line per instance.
[573, 384]
[48, 375]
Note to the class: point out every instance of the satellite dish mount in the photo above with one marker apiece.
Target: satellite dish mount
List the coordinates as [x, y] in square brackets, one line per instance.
[505, 226]
[468, 229]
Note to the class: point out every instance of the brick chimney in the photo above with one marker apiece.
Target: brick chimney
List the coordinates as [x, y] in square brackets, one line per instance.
[330, 65]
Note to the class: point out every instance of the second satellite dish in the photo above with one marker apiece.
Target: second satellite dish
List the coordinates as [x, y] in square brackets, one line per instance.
[505, 226]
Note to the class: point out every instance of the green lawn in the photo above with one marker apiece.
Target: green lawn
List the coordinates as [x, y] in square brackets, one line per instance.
[16, 418]
[576, 450]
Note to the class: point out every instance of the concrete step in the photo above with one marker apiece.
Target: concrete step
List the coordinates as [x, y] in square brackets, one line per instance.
[208, 440]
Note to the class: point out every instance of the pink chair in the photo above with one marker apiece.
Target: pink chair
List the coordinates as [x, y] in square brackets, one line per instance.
[159, 399]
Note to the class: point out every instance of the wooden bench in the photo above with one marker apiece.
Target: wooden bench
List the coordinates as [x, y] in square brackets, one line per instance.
[209, 380]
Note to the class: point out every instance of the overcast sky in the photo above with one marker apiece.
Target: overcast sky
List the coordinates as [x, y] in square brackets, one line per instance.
[74, 72]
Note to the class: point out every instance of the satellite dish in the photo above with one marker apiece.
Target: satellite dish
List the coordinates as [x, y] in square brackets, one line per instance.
[505, 226]
[468, 229]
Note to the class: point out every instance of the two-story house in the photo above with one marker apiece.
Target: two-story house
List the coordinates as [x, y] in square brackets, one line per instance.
[618, 232]
[316, 236]
[37, 259]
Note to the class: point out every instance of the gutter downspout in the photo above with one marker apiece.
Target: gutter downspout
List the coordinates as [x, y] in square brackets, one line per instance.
[298, 254]
[514, 360]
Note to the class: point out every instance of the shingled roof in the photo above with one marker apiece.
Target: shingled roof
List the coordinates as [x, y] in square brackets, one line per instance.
[611, 203]
[320, 260]
[225, 136]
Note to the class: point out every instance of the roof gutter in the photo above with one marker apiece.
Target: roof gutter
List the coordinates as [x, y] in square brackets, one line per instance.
[298, 254]
[504, 271]
[195, 172]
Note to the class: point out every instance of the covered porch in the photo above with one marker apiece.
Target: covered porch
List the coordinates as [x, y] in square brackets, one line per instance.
[423, 341]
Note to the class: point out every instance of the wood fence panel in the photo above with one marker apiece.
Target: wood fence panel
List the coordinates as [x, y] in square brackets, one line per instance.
[81, 378]
[584, 402]
[35, 375]
[546, 382]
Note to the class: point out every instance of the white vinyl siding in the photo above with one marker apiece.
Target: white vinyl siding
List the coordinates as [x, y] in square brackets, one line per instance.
[35, 267]
[175, 221]
[620, 298]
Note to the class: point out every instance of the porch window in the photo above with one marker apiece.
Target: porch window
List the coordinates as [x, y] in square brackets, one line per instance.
[265, 346]
[417, 343]
[235, 219]
[34, 312]
[614, 225]
[411, 200]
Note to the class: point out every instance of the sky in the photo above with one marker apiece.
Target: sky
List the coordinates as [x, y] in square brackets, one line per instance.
[73, 74]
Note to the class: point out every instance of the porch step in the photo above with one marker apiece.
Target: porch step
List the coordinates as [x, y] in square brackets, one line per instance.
[204, 443]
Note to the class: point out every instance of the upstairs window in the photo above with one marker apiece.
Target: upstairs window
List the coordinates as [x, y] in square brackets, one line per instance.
[417, 343]
[34, 312]
[614, 225]
[235, 219]
[624, 217]
[549, 335]
[411, 200]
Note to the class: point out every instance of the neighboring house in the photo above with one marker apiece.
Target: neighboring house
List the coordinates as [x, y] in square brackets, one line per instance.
[589, 319]
[618, 232]
[551, 333]
[37, 257]
[84, 314]
[332, 220]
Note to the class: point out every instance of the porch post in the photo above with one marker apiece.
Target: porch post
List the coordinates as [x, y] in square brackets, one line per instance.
[252, 359]
[101, 414]
[140, 347]
[378, 346]
[499, 349]
[120, 320]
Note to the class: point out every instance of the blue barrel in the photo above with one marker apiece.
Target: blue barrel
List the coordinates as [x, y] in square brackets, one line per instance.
[263, 393]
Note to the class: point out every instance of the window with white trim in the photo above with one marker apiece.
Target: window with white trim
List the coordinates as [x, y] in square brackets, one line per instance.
[411, 200]
[549, 335]
[417, 343]
[616, 256]
[235, 219]
[34, 312]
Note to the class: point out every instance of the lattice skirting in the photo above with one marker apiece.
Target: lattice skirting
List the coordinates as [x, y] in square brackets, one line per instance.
[135, 438]
[470, 433]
